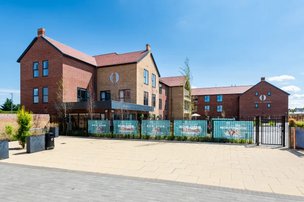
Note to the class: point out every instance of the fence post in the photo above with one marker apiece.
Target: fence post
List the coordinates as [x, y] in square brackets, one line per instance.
[257, 130]
[283, 130]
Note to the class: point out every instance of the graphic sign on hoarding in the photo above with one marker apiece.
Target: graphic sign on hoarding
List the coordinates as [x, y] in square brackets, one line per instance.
[126, 127]
[155, 127]
[190, 128]
[98, 126]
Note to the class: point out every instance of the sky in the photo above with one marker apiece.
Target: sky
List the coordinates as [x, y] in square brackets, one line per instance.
[227, 42]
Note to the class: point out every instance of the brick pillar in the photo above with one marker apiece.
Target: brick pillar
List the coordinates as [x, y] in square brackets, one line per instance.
[292, 138]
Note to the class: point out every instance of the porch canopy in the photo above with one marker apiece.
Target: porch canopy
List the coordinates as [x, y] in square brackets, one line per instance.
[109, 105]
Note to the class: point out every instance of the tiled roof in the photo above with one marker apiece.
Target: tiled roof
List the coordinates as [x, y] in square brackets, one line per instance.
[220, 90]
[116, 59]
[71, 52]
[173, 81]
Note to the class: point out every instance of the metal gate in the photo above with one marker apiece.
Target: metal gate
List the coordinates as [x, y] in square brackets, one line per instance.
[270, 130]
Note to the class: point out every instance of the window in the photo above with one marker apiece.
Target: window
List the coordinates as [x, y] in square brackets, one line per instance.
[35, 69]
[153, 100]
[219, 108]
[45, 94]
[45, 68]
[268, 105]
[269, 93]
[256, 105]
[256, 94]
[207, 108]
[146, 76]
[81, 95]
[160, 89]
[36, 95]
[207, 98]
[146, 98]
[105, 95]
[219, 98]
[153, 81]
[160, 104]
[124, 95]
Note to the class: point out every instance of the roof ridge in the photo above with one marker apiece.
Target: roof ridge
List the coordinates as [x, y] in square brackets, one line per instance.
[105, 54]
[171, 77]
[65, 49]
[222, 87]
[141, 51]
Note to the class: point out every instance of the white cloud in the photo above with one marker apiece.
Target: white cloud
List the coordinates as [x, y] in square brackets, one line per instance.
[291, 88]
[281, 78]
[7, 91]
[296, 100]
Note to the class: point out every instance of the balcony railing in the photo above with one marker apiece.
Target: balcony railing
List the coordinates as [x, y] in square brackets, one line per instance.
[187, 95]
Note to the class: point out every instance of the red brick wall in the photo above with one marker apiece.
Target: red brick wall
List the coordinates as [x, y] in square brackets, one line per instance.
[38, 120]
[278, 101]
[40, 51]
[164, 112]
[230, 105]
[74, 73]
[77, 74]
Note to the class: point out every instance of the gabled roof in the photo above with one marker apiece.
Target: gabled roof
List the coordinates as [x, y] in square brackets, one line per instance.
[104, 60]
[270, 85]
[111, 59]
[63, 49]
[220, 90]
[66, 50]
[173, 81]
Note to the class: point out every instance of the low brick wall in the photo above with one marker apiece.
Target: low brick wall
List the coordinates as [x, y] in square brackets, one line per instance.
[39, 120]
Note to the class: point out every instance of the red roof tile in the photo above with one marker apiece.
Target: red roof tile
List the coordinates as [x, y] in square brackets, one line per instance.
[173, 81]
[220, 90]
[116, 59]
[71, 52]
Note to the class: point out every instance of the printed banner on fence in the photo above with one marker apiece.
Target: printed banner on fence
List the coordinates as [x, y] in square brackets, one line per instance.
[190, 128]
[126, 127]
[233, 129]
[98, 126]
[155, 127]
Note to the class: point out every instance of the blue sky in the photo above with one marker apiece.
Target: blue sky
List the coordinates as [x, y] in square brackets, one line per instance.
[227, 42]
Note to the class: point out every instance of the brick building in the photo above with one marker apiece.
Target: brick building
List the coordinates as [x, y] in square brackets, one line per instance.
[124, 86]
[241, 102]
[176, 96]
[117, 84]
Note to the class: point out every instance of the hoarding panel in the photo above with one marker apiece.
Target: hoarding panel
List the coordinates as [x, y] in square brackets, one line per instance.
[190, 128]
[125, 127]
[98, 126]
[155, 127]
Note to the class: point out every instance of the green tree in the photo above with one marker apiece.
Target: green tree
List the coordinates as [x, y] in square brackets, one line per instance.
[9, 105]
[24, 120]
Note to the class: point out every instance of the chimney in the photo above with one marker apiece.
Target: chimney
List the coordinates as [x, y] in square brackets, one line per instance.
[148, 47]
[262, 78]
[40, 32]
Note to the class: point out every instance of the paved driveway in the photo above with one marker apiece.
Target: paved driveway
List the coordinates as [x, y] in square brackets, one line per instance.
[26, 183]
[224, 165]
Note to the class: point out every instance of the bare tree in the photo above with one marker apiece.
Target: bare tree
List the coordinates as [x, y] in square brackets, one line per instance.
[186, 72]
[91, 100]
[62, 107]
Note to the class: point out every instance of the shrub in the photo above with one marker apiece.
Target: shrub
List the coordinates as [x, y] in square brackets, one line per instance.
[292, 122]
[300, 124]
[24, 120]
[9, 131]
